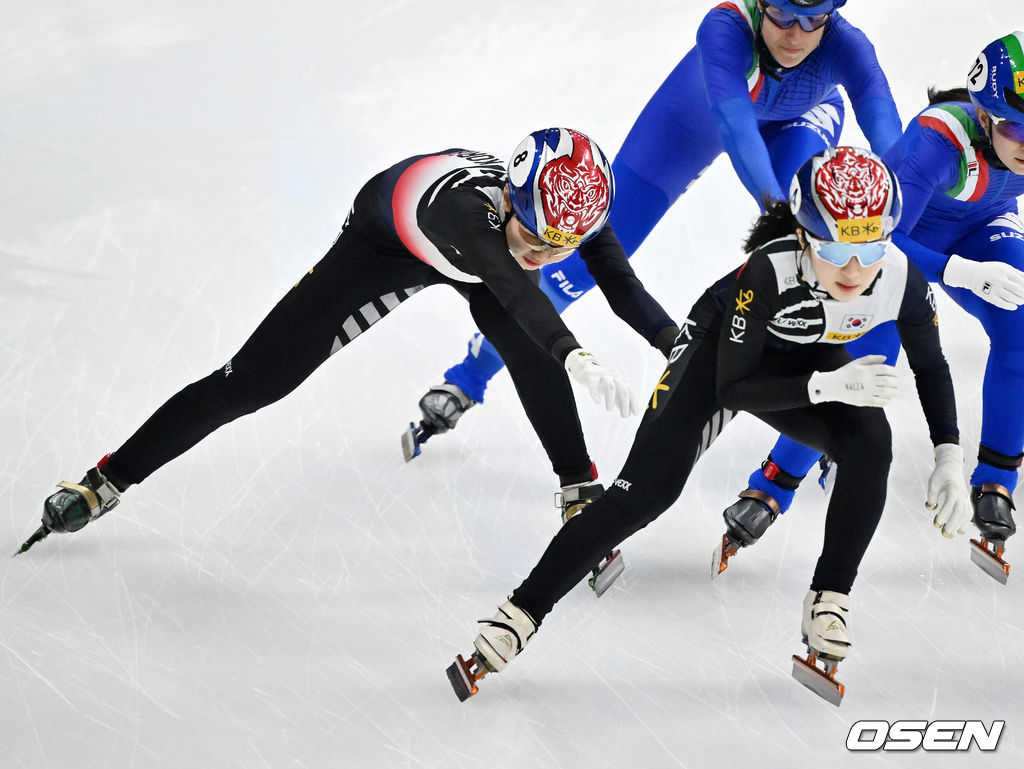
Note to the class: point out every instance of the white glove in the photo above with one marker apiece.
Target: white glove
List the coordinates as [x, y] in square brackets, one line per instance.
[606, 386]
[996, 282]
[867, 381]
[947, 482]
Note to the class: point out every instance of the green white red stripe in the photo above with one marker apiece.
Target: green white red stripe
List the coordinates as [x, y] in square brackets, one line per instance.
[747, 9]
[960, 128]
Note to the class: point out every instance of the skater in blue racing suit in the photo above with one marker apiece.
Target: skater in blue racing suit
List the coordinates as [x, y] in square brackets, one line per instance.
[760, 85]
[961, 166]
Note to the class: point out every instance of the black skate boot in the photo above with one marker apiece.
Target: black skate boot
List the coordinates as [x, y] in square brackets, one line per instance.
[76, 504]
[993, 506]
[572, 500]
[442, 407]
[745, 521]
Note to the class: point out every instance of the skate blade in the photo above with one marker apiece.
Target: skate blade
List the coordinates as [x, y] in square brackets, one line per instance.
[607, 573]
[827, 479]
[822, 683]
[40, 534]
[411, 442]
[725, 550]
[463, 675]
[990, 562]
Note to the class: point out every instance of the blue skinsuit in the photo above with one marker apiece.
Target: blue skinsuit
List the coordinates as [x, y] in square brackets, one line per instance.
[955, 202]
[726, 94]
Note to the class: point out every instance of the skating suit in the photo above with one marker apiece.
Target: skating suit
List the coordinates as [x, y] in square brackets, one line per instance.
[750, 344]
[726, 94]
[957, 199]
[431, 219]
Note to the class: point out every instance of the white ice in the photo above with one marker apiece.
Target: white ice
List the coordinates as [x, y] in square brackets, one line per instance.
[289, 593]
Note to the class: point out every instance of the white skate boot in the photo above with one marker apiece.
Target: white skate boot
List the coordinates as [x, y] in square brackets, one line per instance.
[823, 628]
[824, 624]
[501, 638]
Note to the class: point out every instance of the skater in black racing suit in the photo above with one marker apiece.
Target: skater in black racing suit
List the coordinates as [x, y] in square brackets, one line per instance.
[440, 218]
[768, 339]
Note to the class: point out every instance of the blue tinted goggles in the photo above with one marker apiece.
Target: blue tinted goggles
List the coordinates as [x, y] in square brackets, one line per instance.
[840, 254]
[1008, 129]
[785, 19]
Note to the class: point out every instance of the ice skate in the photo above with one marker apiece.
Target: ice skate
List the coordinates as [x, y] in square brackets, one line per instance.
[75, 505]
[827, 474]
[501, 638]
[824, 631]
[993, 506]
[572, 499]
[442, 407]
[745, 521]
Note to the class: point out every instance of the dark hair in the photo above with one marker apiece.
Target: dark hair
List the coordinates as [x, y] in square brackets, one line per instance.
[982, 144]
[777, 222]
[935, 96]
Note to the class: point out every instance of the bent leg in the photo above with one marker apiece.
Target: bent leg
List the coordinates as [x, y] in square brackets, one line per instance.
[860, 441]
[1002, 421]
[795, 460]
[683, 417]
[542, 384]
[343, 295]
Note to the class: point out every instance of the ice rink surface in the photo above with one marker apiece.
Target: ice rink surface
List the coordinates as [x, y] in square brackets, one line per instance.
[289, 593]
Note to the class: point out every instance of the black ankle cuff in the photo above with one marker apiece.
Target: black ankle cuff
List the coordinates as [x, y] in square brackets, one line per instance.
[997, 460]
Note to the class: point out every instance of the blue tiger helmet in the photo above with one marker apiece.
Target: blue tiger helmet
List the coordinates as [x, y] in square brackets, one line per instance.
[807, 7]
[846, 195]
[996, 80]
[561, 186]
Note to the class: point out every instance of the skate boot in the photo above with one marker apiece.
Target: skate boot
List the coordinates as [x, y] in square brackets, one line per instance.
[71, 508]
[824, 631]
[571, 500]
[993, 506]
[745, 522]
[501, 638]
[442, 407]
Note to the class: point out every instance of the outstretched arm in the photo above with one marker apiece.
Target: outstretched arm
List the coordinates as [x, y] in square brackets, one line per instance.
[725, 45]
[629, 299]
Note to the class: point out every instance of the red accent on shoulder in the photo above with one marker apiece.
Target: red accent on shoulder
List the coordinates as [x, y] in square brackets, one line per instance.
[937, 125]
[982, 185]
[593, 471]
[106, 458]
[756, 90]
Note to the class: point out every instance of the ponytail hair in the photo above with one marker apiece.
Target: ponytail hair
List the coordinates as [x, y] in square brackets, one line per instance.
[777, 222]
[936, 96]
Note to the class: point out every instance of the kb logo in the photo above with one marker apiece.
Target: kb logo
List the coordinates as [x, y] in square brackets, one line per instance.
[934, 736]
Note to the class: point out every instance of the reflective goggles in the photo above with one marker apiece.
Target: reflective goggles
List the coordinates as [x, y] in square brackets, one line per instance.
[784, 19]
[840, 254]
[1008, 129]
[536, 244]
